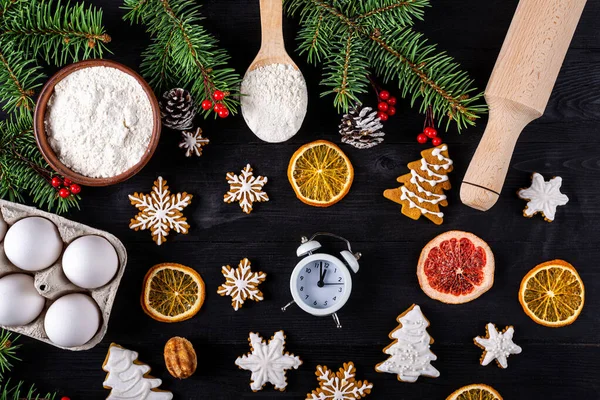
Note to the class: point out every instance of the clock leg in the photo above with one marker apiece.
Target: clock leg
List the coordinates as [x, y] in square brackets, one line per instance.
[336, 320]
[287, 305]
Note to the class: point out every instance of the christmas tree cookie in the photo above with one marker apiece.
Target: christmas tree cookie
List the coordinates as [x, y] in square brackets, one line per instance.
[128, 378]
[422, 189]
[410, 356]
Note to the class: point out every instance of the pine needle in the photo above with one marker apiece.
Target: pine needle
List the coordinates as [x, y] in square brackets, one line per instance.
[7, 351]
[352, 37]
[17, 392]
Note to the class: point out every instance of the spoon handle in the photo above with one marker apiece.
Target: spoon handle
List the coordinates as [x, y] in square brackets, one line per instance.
[271, 19]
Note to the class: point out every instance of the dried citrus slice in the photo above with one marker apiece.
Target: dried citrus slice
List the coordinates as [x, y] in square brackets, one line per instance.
[320, 173]
[477, 391]
[552, 294]
[172, 292]
[456, 267]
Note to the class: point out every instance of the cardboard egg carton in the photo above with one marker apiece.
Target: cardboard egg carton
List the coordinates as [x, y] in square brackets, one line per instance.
[51, 282]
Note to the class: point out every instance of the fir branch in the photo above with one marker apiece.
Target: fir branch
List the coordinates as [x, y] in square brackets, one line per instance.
[182, 52]
[7, 351]
[58, 33]
[393, 50]
[17, 392]
[20, 77]
[23, 171]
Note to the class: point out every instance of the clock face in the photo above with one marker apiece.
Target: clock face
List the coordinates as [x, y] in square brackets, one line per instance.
[321, 284]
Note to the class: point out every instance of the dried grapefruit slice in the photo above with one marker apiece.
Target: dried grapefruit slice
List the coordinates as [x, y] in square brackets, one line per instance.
[456, 267]
[552, 294]
[172, 292]
[320, 173]
[477, 391]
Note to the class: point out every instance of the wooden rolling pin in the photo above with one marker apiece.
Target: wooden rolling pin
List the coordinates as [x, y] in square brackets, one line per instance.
[518, 90]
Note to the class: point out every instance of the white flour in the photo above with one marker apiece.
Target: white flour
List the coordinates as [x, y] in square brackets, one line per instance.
[274, 101]
[99, 121]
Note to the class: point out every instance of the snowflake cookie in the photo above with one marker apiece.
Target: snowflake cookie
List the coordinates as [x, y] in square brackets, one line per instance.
[339, 385]
[543, 197]
[497, 345]
[267, 362]
[160, 211]
[193, 142]
[410, 356]
[246, 189]
[241, 284]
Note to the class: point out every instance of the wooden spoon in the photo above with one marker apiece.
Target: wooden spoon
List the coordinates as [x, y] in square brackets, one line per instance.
[272, 47]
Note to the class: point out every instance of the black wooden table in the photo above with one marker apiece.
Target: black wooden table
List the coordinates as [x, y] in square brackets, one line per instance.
[555, 364]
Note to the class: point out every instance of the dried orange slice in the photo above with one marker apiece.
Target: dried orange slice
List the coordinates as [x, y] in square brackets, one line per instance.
[477, 391]
[320, 173]
[172, 292]
[552, 294]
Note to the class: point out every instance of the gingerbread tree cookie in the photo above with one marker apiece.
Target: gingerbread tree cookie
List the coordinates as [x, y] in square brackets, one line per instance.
[339, 385]
[410, 356]
[241, 284]
[423, 188]
[128, 378]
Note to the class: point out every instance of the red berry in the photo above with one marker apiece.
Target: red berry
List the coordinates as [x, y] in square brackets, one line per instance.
[391, 101]
[391, 111]
[430, 132]
[218, 107]
[383, 106]
[65, 398]
[223, 112]
[75, 188]
[382, 116]
[436, 141]
[66, 182]
[64, 193]
[218, 95]
[384, 95]
[56, 182]
[206, 105]
[421, 138]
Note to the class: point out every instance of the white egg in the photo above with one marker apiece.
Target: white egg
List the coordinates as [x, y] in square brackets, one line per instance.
[72, 320]
[33, 244]
[3, 228]
[20, 303]
[90, 262]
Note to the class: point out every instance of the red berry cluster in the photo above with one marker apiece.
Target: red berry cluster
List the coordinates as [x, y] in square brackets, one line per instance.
[429, 133]
[68, 188]
[386, 105]
[218, 107]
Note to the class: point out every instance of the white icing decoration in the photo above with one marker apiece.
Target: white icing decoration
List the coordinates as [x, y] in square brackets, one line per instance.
[267, 362]
[410, 356]
[543, 196]
[439, 197]
[406, 194]
[498, 346]
[126, 378]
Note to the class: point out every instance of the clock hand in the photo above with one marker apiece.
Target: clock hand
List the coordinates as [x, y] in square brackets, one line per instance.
[331, 284]
[321, 282]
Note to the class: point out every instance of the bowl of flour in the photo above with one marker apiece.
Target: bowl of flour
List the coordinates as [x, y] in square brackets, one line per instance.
[97, 122]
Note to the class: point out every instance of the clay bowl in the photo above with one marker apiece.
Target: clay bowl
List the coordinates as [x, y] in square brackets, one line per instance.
[42, 140]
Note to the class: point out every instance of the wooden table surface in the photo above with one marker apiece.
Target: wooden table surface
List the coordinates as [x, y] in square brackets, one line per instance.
[555, 363]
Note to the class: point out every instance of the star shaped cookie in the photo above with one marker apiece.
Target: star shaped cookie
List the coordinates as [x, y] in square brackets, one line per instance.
[543, 197]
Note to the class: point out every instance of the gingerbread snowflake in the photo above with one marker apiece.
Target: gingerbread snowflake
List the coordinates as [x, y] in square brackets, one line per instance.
[543, 197]
[193, 142]
[241, 284]
[339, 385]
[497, 345]
[246, 189]
[160, 211]
[267, 362]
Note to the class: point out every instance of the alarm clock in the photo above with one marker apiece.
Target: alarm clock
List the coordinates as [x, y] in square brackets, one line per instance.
[321, 283]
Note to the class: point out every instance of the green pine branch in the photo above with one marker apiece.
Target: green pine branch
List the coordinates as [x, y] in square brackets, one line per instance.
[21, 77]
[182, 52]
[380, 32]
[7, 352]
[55, 32]
[18, 392]
[23, 171]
